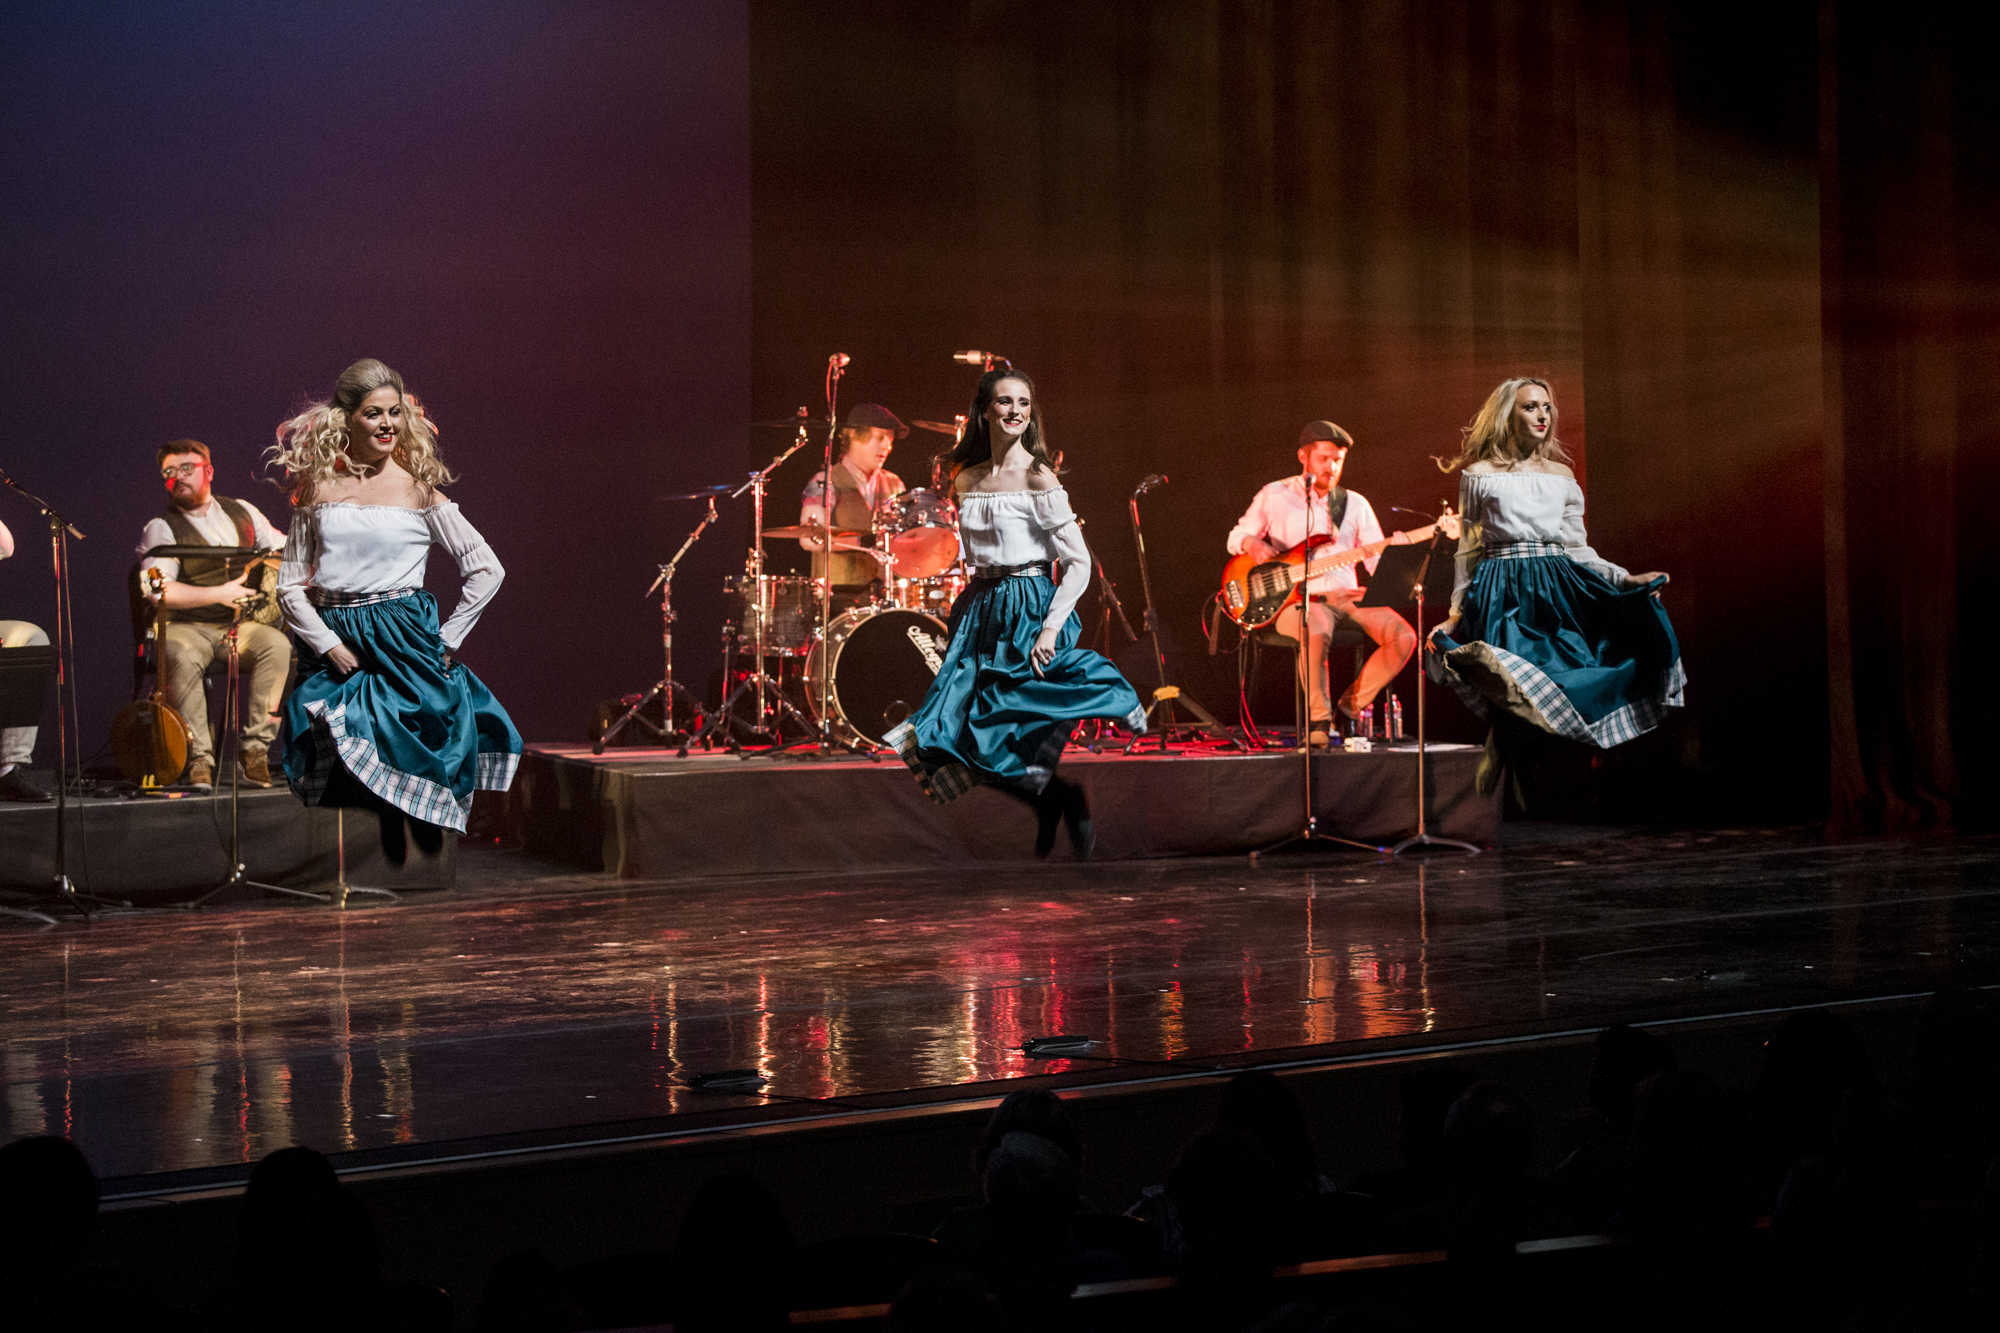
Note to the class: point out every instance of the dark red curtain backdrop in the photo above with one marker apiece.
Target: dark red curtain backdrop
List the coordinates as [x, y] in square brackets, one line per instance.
[1201, 225]
[539, 213]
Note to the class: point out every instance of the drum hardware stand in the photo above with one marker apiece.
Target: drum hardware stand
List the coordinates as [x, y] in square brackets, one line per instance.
[1310, 832]
[64, 893]
[233, 734]
[668, 690]
[836, 366]
[759, 678]
[1390, 580]
[1160, 712]
[1108, 604]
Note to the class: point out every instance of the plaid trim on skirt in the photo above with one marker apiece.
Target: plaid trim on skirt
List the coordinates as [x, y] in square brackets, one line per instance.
[988, 718]
[407, 728]
[1558, 644]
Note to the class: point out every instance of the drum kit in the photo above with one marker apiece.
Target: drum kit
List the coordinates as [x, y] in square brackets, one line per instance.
[806, 667]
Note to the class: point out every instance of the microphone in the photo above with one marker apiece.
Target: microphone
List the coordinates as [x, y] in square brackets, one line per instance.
[839, 359]
[976, 358]
[1149, 483]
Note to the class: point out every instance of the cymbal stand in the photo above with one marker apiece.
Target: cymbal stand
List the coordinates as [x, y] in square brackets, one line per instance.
[758, 679]
[233, 734]
[64, 893]
[1100, 639]
[1309, 833]
[1161, 710]
[1423, 837]
[668, 690]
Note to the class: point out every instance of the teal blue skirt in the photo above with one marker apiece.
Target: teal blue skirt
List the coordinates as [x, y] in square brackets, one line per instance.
[407, 728]
[988, 718]
[1561, 646]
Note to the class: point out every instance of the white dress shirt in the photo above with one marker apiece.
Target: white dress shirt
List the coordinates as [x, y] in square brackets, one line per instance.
[1281, 515]
[355, 550]
[211, 521]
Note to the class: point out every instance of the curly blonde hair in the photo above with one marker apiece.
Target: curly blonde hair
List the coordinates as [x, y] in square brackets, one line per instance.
[312, 446]
[1492, 436]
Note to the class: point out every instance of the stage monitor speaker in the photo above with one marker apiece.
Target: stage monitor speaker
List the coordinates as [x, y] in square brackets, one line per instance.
[25, 677]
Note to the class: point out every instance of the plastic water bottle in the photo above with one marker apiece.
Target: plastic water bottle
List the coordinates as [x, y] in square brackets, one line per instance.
[1368, 722]
[1395, 718]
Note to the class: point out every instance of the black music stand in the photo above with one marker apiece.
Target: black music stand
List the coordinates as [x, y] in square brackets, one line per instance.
[1417, 573]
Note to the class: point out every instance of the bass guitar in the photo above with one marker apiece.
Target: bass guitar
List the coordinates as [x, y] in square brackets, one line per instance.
[1255, 592]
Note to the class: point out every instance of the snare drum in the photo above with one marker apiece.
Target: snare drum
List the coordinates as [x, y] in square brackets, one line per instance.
[884, 660]
[931, 596]
[789, 610]
[922, 531]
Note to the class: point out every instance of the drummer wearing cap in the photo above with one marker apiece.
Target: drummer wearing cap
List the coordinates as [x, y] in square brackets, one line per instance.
[1312, 503]
[861, 485]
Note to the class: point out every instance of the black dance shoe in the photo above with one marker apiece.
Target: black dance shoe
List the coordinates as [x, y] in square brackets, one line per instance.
[428, 837]
[394, 846]
[1049, 806]
[1076, 817]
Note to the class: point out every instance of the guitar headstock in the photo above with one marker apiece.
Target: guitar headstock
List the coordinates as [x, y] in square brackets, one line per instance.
[1448, 522]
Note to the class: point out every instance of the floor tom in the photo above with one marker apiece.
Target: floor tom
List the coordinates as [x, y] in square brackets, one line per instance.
[788, 608]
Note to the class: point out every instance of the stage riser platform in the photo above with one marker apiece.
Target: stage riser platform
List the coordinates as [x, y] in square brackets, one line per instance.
[154, 852]
[647, 815]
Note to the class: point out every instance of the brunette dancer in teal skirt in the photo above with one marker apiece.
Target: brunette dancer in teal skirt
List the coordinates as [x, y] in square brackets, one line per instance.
[1014, 684]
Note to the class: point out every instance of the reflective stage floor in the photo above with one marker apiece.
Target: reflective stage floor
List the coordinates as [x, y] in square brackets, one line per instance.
[530, 999]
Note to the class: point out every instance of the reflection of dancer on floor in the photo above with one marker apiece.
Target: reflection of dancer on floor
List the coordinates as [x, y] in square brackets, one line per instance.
[1014, 684]
[1541, 629]
[382, 717]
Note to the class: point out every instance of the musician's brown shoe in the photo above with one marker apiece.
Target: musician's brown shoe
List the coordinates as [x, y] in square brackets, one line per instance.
[201, 775]
[256, 761]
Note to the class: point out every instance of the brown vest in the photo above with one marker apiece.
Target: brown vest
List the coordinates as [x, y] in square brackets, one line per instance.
[208, 573]
[850, 514]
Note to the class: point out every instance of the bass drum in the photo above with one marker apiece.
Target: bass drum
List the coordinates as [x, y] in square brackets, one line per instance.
[883, 663]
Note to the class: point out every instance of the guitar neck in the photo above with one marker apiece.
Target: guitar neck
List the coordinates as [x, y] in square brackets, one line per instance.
[1317, 565]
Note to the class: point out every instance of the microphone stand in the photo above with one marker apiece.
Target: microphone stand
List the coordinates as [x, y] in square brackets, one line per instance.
[1423, 837]
[1161, 710]
[1309, 832]
[669, 689]
[65, 893]
[1100, 639]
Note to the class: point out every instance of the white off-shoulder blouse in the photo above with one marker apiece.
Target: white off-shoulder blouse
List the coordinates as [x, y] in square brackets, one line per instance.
[1521, 508]
[1024, 528]
[345, 551]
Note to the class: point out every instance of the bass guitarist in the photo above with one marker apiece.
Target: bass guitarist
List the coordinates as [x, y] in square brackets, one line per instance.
[1313, 504]
[200, 597]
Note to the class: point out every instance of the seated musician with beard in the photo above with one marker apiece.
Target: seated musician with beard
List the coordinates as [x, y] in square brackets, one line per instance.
[1312, 503]
[200, 598]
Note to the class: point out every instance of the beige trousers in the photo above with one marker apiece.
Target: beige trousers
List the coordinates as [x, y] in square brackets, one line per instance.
[264, 660]
[17, 744]
[1395, 643]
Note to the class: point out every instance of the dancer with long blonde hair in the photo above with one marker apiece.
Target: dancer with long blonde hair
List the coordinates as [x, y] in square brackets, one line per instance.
[383, 717]
[1542, 628]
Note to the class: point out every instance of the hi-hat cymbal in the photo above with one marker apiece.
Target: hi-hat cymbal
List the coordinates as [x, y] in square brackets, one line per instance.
[785, 423]
[941, 427]
[842, 541]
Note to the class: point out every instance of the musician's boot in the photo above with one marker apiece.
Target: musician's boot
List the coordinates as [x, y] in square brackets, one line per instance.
[201, 775]
[256, 761]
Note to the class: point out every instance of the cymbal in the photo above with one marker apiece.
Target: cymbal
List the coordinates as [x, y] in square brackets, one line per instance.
[941, 427]
[842, 541]
[786, 423]
[702, 494]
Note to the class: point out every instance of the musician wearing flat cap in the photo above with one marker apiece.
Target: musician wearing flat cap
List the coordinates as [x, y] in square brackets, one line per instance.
[1312, 503]
[200, 597]
[861, 486]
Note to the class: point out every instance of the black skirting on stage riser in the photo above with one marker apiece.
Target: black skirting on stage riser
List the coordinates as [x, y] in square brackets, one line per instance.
[648, 815]
[153, 851]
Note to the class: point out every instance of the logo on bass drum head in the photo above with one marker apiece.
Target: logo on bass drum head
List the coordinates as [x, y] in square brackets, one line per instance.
[927, 644]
